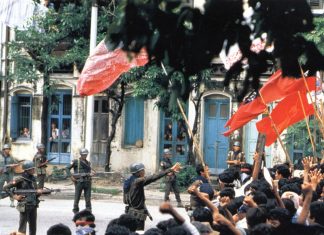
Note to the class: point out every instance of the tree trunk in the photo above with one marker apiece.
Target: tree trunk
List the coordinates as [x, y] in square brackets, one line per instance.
[115, 111]
[44, 115]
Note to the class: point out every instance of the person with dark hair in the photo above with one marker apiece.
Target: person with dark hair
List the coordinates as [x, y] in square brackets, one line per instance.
[133, 189]
[166, 224]
[202, 173]
[278, 217]
[170, 178]
[226, 179]
[85, 222]
[202, 214]
[255, 216]
[282, 171]
[59, 229]
[153, 231]
[262, 229]
[117, 230]
[317, 212]
[289, 205]
[129, 221]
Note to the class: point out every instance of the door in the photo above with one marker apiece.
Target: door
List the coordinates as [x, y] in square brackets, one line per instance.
[59, 127]
[215, 143]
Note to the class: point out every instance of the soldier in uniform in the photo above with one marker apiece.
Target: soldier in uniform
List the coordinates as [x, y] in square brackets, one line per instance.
[170, 178]
[7, 164]
[134, 196]
[235, 157]
[81, 178]
[27, 204]
[40, 161]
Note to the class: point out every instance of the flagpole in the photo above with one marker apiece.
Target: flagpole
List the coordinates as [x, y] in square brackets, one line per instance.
[196, 146]
[314, 105]
[274, 127]
[307, 124]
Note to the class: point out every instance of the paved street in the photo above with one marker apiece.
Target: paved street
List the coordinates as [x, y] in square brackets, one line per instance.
[52, 211]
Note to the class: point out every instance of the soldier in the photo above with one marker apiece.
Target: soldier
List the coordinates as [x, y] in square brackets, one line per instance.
[134, 196]
[170, 178]
[40, 161]
[82, 179]
[7, 164]
[27, 204]
[235, 157]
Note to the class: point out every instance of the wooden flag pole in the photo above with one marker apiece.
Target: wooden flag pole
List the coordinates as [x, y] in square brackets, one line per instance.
[274, 127]
[307, 124]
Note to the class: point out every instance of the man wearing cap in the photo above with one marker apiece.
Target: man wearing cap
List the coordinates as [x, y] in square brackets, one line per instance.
[7, 164]
[40, 161]
[170, 178]
[133, 188]
[235, 157]
[28, 203]
[82, 179]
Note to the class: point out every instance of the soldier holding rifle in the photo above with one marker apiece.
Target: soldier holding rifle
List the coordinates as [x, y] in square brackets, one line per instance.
[40, 161]
[27, 201]
[82, 179]
[7, 165]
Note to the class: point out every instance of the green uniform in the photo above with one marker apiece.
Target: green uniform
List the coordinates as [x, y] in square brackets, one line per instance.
[83, 182]
[28, 205]
[6, 173]
[40, 170]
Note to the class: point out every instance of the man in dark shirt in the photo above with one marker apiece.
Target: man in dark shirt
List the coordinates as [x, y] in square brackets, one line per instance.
[82, 179]
[170, 178]
[134, 196]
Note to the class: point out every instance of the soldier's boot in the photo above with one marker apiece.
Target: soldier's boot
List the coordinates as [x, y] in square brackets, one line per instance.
[180, 205]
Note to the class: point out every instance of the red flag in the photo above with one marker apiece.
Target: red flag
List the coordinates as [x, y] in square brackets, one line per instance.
[104, 67]
[274, 89]
[287, 112]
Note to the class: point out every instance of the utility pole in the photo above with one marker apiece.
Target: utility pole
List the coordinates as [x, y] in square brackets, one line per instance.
[90, 99]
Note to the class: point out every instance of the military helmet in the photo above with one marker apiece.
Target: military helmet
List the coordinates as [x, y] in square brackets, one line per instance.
[136, 167]
[84, 151]
[27, 165]
[40, 146]
[6, 146]
[237, 143]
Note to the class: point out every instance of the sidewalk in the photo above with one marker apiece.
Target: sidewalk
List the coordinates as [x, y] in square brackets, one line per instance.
[153, 196]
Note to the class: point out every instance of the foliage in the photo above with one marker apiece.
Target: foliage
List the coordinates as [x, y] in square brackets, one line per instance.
[187, 39]
[58, 174]
[297, 137]
[185, 177]
[317, 35]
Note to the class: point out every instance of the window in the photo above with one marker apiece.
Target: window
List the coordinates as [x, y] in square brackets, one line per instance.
[21, 120]
[134, 120]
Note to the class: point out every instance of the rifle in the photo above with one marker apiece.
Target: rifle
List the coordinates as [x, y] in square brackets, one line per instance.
[47, 161]
[80, 175]
[4, 168]
[24, 192]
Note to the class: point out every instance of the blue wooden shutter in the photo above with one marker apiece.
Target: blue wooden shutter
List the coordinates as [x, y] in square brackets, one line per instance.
[134, 120]
[14, 118]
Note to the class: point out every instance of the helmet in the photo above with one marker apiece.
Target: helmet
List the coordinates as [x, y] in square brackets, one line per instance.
[166, 151]
[237, 143]
[40, 146]
[6, 146]
[27, 165]
[136, 167]
[84, 151]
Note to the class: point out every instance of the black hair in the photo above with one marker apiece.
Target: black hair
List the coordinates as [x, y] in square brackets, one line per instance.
[255, 216]
[280, 214]
[164, 225]
[60, 229]
[202, 214]
[262, 229]
[87, 215]
[179, 230]
[290, 187]
[129, 221]
[259, 198]
[153, 231]
[227, 192]
[226, 177]
[283, 170]
[289, 205]
[199, 168]
[317, 212]
[235, 204]
[117, 230]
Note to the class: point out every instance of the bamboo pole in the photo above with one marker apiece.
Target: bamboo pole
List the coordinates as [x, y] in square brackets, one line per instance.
[307, 124]
[274, 127]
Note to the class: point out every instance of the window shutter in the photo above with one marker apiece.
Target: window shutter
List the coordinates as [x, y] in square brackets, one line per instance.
[139, 119]
[14, 118]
